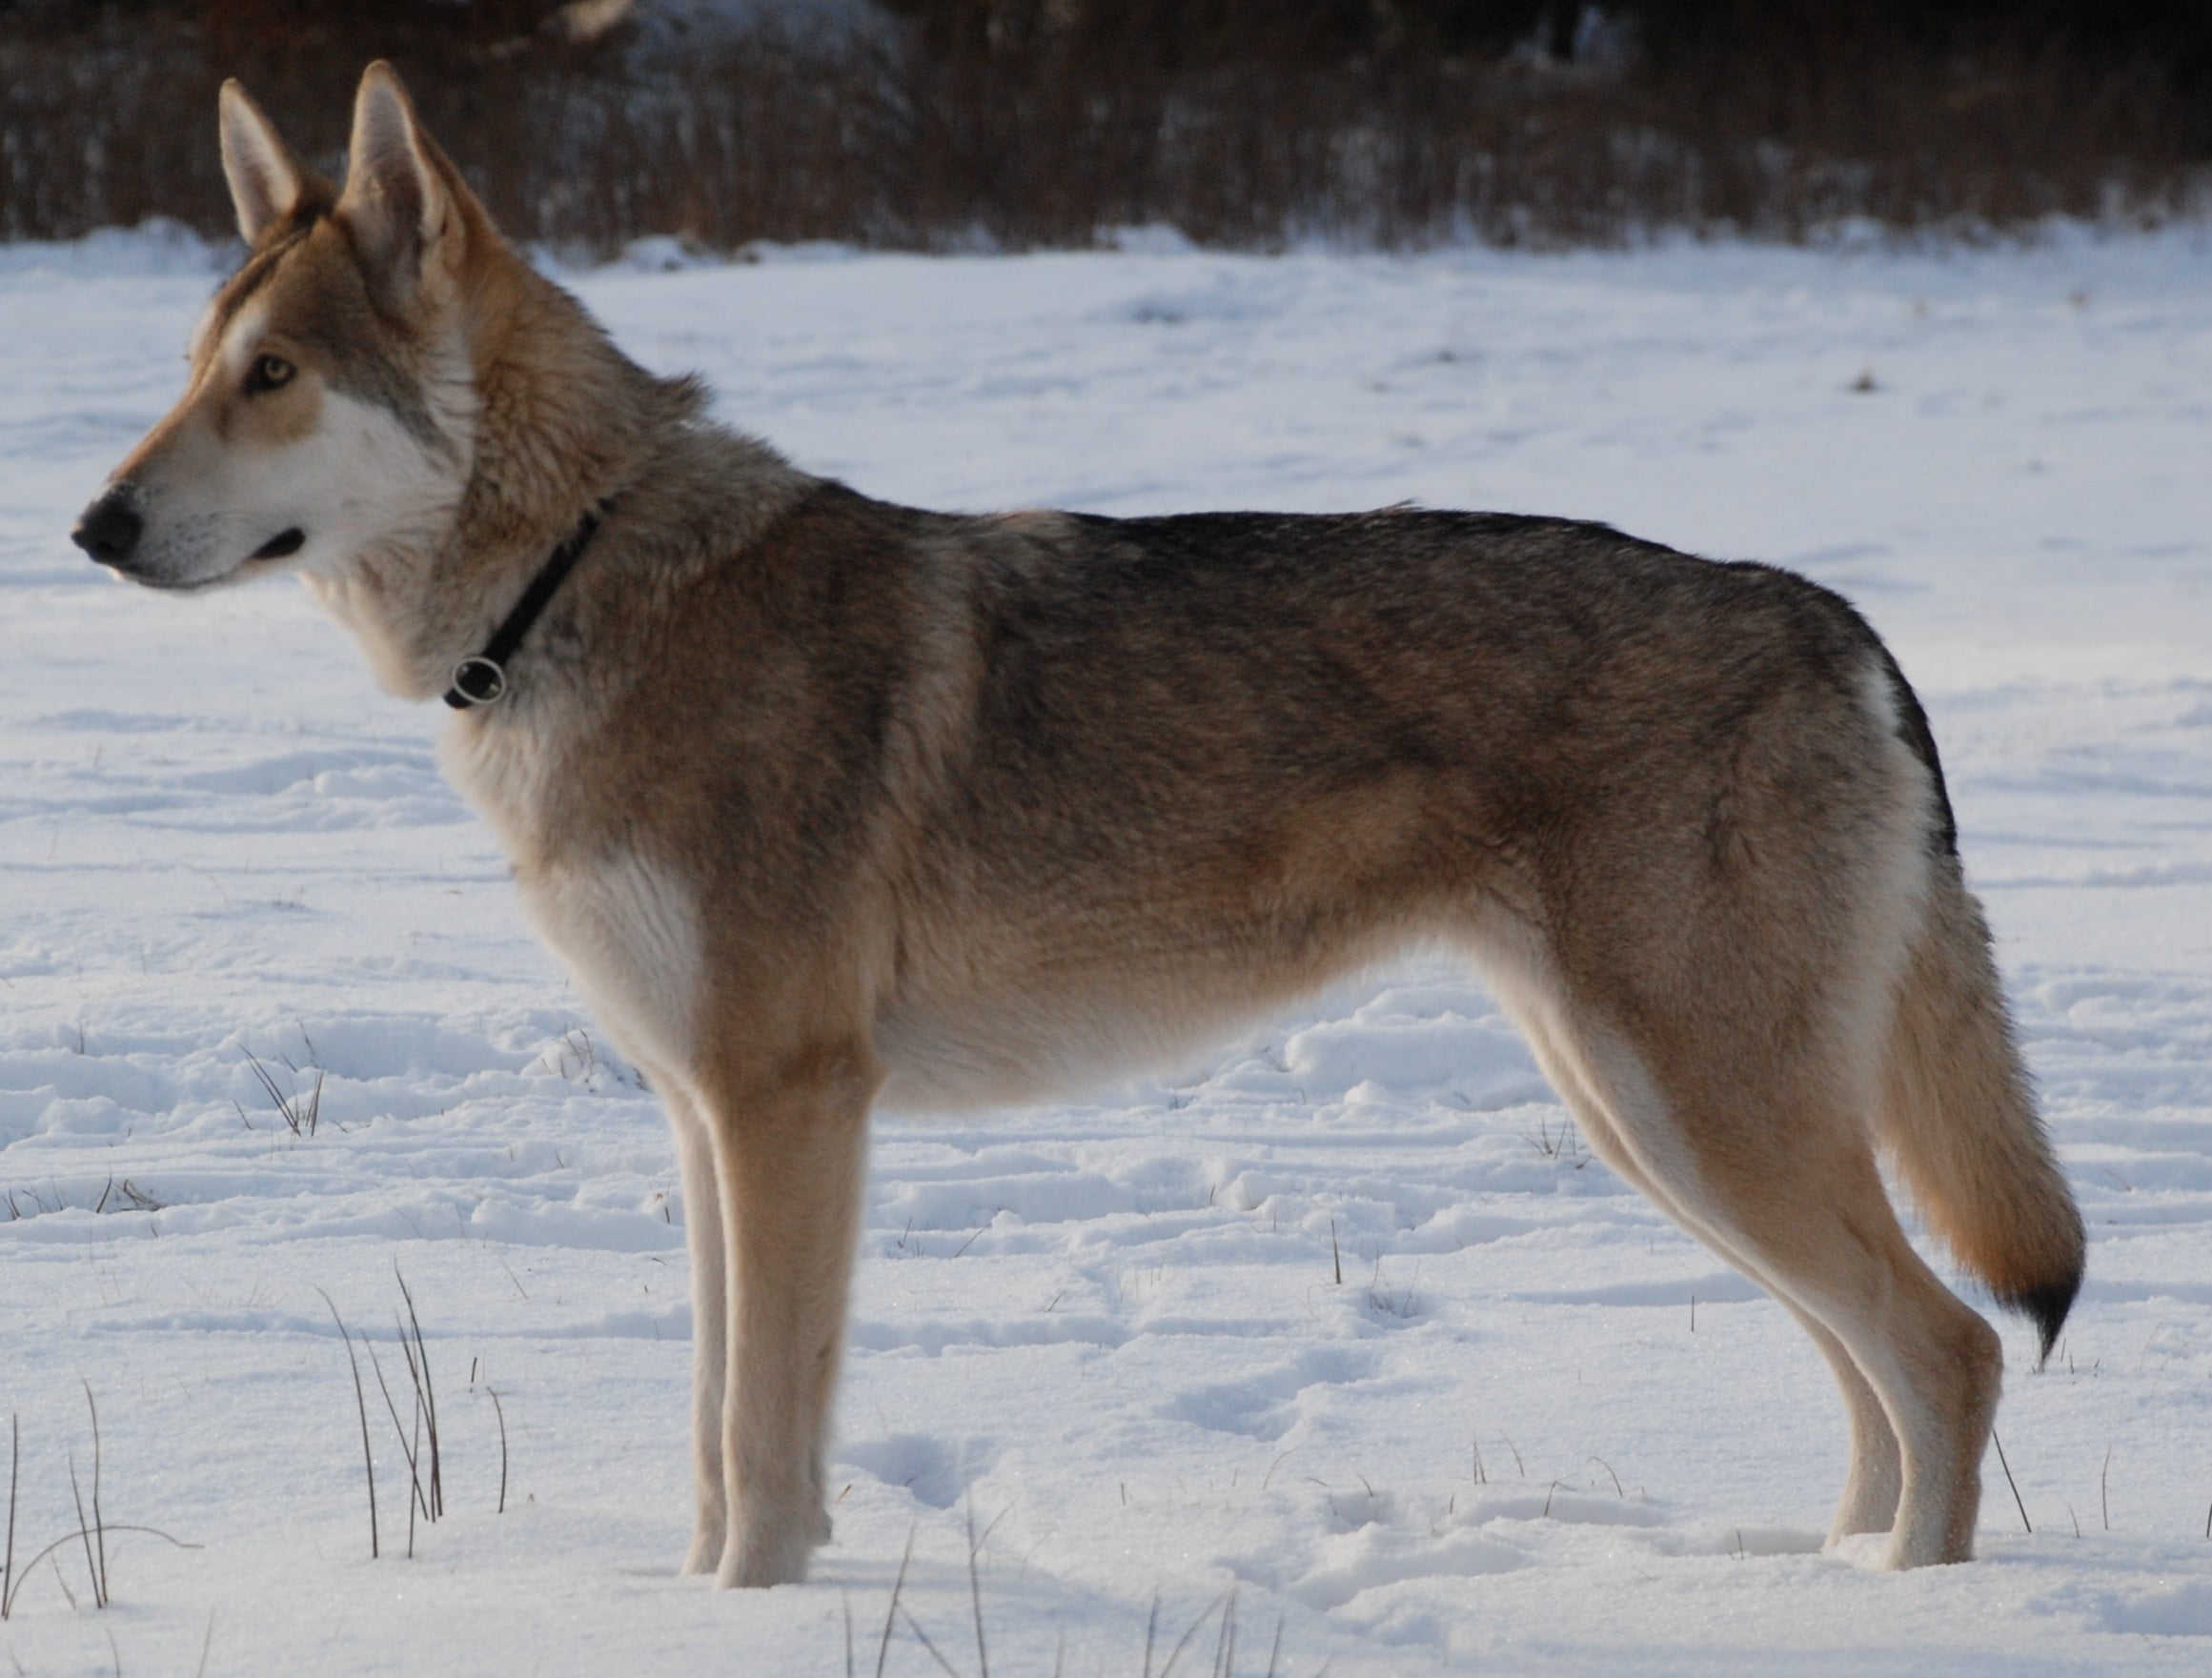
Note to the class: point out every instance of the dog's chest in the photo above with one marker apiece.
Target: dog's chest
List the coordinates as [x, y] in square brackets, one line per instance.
[624, 923]
[627, 929]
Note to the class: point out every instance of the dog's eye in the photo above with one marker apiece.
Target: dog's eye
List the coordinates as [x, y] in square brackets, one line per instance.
[269, 373]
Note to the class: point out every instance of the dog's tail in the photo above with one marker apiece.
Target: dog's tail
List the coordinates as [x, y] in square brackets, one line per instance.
[1956, 1112]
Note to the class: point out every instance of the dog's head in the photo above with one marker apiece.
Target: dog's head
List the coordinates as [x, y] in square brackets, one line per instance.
[331, 409]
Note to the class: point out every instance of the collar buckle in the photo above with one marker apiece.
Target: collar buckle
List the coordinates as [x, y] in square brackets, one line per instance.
[477, 680]
[481, 678]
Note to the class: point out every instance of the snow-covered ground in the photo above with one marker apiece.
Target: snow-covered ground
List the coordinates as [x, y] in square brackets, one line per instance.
[1532, 1429]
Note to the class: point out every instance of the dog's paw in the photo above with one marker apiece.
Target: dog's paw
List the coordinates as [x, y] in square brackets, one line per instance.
[757, 1564]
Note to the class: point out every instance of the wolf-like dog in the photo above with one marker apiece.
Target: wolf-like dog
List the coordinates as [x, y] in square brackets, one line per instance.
[823, 800]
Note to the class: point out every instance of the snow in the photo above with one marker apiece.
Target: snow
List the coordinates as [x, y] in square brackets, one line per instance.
[1533, 1428]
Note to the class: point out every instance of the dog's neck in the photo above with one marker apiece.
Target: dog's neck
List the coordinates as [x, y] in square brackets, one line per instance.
[550, 418]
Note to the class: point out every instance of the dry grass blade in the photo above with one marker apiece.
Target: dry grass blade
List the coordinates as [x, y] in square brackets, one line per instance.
[361, 1406]
[14, 1466]
[300, 1117]
[975, 1589]
[426, 1393]
[99, 1529]
[81, 1533]
[923, 1638]
[891, 1613]
[500, 1411]
[414, 1455]
[2015, 1489]
[58, 1578]
[1184, 1642]
[85, 1532]
[392, 1409]
[407, 1450]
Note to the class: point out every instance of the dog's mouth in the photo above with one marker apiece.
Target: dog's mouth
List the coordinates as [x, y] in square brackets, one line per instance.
[281, 546]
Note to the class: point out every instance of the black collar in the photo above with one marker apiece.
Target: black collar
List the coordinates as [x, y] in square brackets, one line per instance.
[481, 678]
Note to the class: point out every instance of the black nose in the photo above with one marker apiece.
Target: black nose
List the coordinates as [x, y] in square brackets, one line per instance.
[110, 529]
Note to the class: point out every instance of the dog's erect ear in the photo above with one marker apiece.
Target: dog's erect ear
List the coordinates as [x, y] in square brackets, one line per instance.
[397, 202]
[266, 182]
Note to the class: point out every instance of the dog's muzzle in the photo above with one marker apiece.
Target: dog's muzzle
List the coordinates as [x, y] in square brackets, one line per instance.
[111, 528]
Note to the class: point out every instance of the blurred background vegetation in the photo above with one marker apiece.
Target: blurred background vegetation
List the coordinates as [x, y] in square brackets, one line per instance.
[944, 124]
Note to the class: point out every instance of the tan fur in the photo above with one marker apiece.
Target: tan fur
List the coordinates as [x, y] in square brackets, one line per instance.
[826, 802]
[1956, 1113]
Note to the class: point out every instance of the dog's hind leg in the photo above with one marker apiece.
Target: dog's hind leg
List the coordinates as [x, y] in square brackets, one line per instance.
[1764, 1126]
[1876, 1477]
[1783, 1173]
[789, 1147]
[1834, 1243]
[1869, 1503]
[1785, 1188]
[1870, 1491]
[702, 1230]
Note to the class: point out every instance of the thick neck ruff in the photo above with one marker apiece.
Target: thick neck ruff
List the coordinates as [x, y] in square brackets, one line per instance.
[481, 678]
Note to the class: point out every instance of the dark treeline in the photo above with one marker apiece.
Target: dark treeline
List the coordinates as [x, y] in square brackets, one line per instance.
[941, 123]
[1175, 34]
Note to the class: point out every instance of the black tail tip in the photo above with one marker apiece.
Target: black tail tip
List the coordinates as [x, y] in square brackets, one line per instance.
[2046, 1307]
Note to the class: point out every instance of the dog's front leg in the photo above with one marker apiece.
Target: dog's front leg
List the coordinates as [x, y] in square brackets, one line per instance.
[702, 1229]
[789, 1153]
